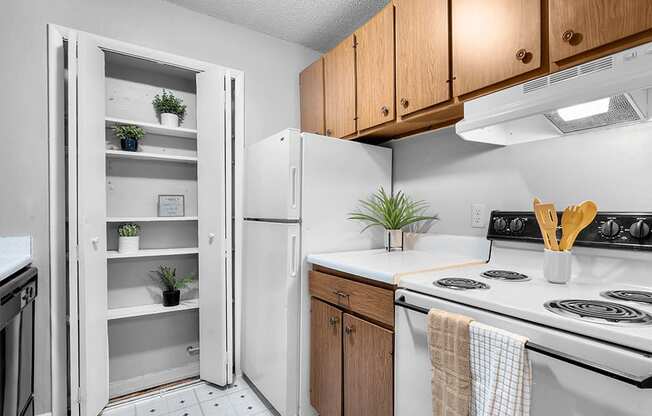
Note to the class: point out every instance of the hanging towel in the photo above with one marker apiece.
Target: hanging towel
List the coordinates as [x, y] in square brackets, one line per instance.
[448, 342]
[500, 372]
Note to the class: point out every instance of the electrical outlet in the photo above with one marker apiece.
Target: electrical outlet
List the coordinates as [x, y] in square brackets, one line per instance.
[477, 215]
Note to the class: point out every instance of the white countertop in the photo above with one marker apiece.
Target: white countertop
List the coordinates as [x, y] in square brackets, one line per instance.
[15, 253]
[389, 267]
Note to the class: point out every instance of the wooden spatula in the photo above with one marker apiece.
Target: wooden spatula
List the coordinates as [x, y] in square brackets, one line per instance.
[589, 210]
[571, 221]
[547, 218]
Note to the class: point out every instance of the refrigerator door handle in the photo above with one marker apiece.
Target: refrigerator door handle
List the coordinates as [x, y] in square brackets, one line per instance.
[293, 184]
[293, 258]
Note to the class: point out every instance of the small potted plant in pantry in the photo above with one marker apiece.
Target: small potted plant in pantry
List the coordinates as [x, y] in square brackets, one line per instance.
[171, 285]
[129, 136]
[393, 213]
[170, 109]
[128, 238]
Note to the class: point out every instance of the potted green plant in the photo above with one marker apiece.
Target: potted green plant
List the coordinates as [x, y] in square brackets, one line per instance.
[171, 285]
[129, 134]
[170, 109]
[128, 238]
[392, 212]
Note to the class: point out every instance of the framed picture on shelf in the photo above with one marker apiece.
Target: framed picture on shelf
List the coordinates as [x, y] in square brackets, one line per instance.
[171, 206]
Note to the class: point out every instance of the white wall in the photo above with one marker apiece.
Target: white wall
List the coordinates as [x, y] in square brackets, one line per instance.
[612, 167]
[271, 69]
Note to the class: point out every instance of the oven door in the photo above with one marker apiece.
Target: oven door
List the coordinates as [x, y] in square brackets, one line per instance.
[558, 388]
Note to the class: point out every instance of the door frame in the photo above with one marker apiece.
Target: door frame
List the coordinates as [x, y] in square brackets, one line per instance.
[57, 36]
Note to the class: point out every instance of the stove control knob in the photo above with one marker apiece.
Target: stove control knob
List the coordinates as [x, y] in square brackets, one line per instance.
[640, 229]
[610, 229]
[500, 224]
[517, 225]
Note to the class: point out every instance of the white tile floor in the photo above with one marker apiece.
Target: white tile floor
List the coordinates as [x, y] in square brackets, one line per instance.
[196, 400]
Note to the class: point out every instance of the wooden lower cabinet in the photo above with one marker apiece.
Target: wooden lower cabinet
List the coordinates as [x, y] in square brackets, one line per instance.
[351, 363]
[368, 368]
[325, 358]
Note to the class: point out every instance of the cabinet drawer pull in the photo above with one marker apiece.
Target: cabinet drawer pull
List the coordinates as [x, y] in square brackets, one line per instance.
[340, 294]
[384, 110]
[521, 54]
[333, 320]
[405, 103]
[568, 35]
[349, 330]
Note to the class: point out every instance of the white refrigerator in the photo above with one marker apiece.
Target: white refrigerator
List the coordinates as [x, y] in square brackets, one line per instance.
[299, 190]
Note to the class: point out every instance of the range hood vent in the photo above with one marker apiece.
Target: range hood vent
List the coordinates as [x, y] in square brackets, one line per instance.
[606, 92]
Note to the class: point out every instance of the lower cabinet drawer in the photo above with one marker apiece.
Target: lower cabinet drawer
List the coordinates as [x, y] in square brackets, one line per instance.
[373, 302]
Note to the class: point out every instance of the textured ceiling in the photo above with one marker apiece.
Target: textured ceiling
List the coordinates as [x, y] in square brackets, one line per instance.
[317, 24]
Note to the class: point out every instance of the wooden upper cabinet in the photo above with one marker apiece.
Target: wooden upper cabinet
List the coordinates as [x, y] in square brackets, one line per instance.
[375, 70]
[422, 64]
[368, 369]
[325, 358]
[577, 26]
[339, 83]
[311, 86]
[494, 41]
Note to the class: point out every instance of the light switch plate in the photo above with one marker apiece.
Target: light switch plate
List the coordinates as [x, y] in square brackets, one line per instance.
[478, 215]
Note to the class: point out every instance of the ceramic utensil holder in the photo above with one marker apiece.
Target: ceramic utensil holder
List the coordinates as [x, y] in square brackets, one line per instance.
[557, 266]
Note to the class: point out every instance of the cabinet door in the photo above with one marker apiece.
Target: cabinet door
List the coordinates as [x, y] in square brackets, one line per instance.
[422, 65]
[325, 358]
[494, 41]
[375, 70]
[91, 215]
[368, 368]
[339, 89]
[311, 86]
[577, 26]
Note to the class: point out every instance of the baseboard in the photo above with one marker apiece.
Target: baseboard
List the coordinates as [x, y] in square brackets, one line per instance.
[147, 381]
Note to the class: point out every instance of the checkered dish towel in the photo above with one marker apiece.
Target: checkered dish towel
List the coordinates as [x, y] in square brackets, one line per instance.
[500, 372]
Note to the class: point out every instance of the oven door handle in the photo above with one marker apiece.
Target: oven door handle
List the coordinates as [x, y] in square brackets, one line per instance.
[640, 382]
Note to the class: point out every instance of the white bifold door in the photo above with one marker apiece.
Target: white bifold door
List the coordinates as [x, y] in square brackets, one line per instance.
[88, 183]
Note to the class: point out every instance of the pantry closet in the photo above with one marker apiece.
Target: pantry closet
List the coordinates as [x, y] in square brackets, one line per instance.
[179, 188]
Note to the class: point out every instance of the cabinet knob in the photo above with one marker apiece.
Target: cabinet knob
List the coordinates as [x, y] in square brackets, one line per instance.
[405, 103]
[521, 54]
[568, 36]
[329, 132]
[333, 320]
[349, 329]
[384, 110]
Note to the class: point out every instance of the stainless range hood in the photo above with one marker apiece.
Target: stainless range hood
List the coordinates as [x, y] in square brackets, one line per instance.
[607, 92]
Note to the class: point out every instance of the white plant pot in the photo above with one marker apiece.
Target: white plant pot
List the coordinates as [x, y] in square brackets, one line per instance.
[169, 120]
[557, 266]
[128, 244]
[393, 240]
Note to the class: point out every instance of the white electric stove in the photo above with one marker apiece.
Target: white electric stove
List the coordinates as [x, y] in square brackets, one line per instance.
[590, 340]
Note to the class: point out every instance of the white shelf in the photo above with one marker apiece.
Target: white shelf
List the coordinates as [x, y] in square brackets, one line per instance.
[151, 219]
[121, 154]
[144, 310]
[158, 252]
[152, 128]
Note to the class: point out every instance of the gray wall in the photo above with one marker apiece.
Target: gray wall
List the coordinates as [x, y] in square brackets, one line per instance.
[612, 167]
[271, 69]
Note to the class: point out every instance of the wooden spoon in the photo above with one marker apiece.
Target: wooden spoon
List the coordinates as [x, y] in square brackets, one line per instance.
[547, 218]
[571, 221]
[589, 210]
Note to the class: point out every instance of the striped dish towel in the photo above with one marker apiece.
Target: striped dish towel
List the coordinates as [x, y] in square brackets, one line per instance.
[500, 371]
[448, 343]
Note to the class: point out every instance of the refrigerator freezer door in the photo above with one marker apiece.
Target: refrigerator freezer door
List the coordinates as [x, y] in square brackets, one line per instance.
[270, 311]
[273, 177]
